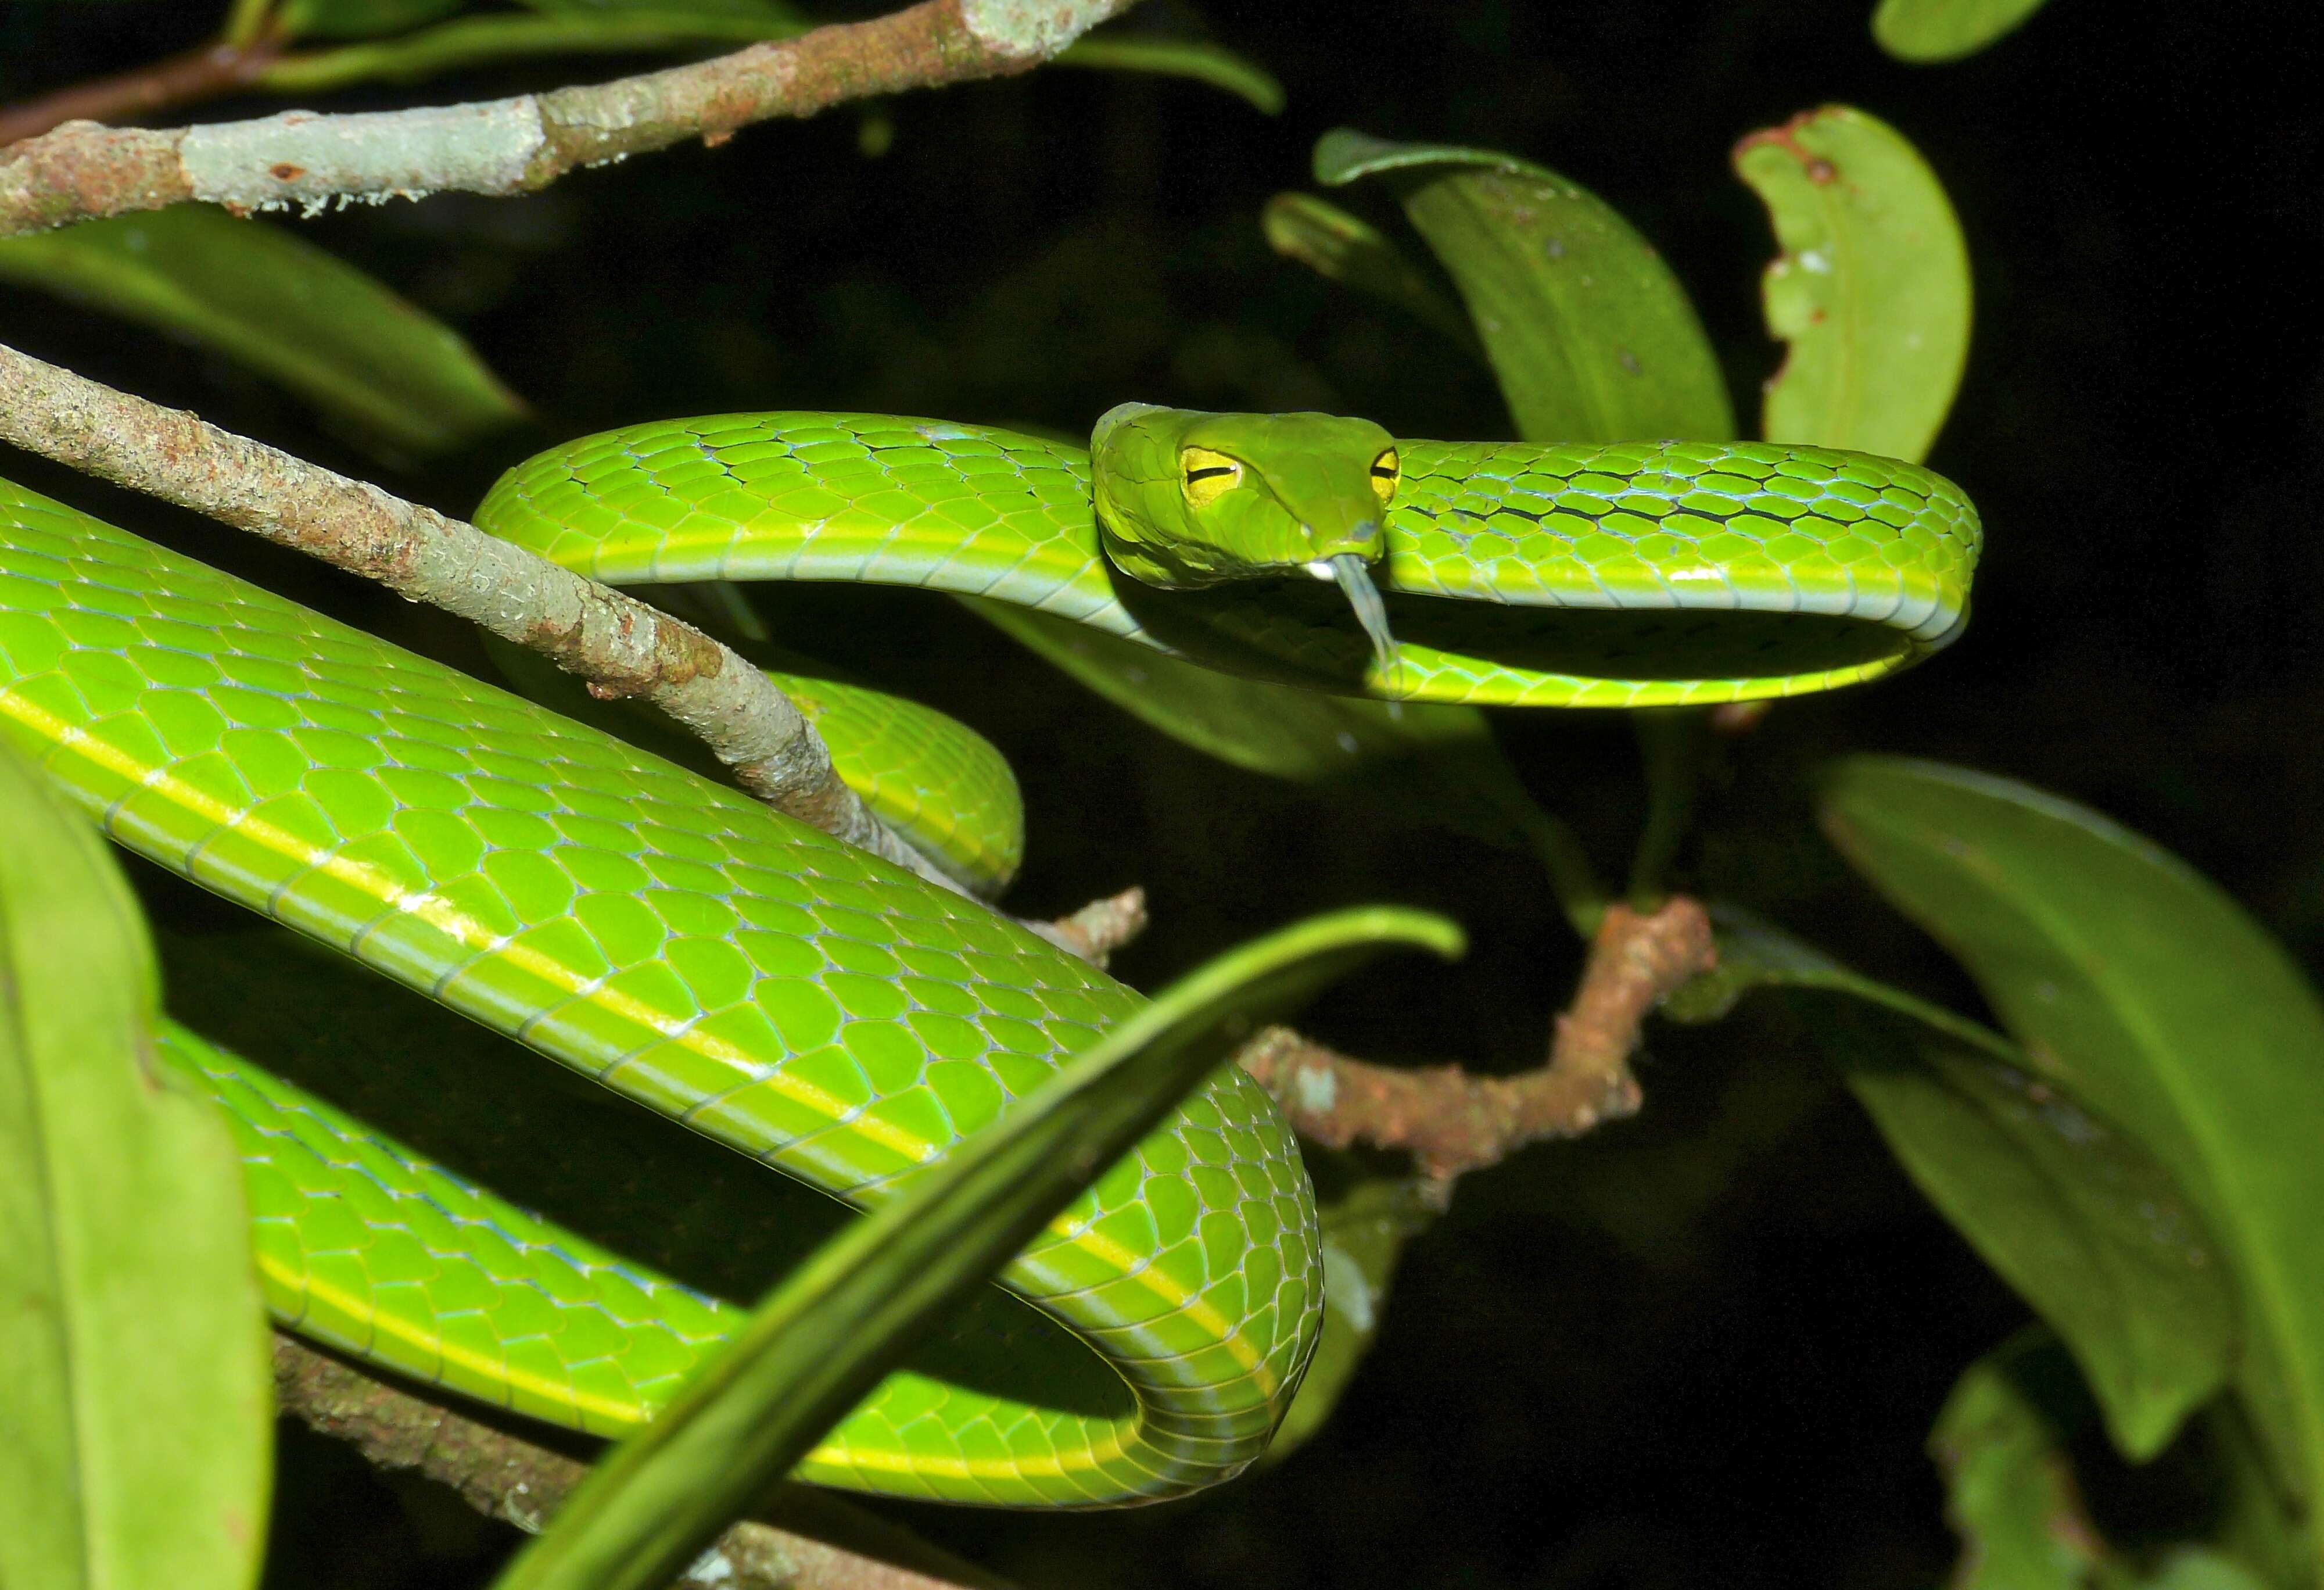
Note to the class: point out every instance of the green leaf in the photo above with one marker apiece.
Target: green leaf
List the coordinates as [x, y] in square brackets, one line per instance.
[571, 27]
[826, 1333]
[288, 309]
[1932, 31]
[1592, 337]
[761, 11]
[359, 19]
[2196, 1567]
[1871, 290]
[1332, 242]
[1438, 764]
[2139, 985]
[135, 1401]
[1365, 1230]
[2072, 1214]
[498, 35]
[1204, 63]
[2009, 1483]
[2080, 1219]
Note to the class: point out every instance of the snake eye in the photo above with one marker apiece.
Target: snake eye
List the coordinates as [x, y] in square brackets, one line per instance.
[1209, 475]
[1386, 470]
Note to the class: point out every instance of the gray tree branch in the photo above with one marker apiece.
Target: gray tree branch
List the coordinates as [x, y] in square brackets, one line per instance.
[81, 171]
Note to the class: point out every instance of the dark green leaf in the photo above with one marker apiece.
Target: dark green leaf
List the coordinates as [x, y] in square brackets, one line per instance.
[824, 1334]
[1933, 30]
[1332, 242]
[1871, 290]
[1365, 1229]
[1592, 337]
[135, 1430]
[2072, 1212]
[499, 36]
[759, 11]
[359, 19]
[2197, 1568]
[2258, 1523]
[1439, 764]
[2137, 985]
[1214, 64]
[275, 301]
[515, 36]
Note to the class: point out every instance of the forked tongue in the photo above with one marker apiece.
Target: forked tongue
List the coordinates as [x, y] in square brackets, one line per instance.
[1354, 577]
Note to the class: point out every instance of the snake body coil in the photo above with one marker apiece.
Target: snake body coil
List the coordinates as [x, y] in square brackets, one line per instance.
[814, 1008]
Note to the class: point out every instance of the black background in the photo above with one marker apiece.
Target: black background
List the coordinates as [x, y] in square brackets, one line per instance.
[1703, 1347]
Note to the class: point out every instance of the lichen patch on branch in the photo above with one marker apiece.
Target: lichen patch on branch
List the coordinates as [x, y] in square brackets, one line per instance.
[309, 160]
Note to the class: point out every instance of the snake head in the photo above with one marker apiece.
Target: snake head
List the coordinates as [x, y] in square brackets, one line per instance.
[1187, 499]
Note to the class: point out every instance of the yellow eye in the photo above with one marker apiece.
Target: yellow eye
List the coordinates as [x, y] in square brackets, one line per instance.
[1208, 475]
[1386, 468]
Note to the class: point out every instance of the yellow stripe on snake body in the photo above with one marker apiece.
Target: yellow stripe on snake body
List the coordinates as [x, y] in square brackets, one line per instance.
[802, 1002]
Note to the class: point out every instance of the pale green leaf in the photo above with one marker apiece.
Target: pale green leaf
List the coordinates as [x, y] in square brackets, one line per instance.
[2137, 985]
[135, 1426]
[826, 1334]
[270, 299]
[1932, 31]
[1871, 289]
[1193, 58]
[1592, 337]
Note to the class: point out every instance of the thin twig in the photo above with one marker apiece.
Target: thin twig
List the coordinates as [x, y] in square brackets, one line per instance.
[622, 646]
[81, 171]
[207, 73]
[505, 1476]
[1452, 1122]
[1100, 928]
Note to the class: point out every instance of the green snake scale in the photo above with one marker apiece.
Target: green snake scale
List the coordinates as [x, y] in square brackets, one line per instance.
[806, 1004]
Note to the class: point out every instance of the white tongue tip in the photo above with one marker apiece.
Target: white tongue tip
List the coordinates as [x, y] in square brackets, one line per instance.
[1354, 577]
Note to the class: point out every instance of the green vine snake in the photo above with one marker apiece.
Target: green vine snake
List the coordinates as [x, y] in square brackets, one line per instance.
[816, 1009]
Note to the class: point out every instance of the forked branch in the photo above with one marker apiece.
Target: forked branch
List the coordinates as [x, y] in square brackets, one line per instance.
[1452, 1122]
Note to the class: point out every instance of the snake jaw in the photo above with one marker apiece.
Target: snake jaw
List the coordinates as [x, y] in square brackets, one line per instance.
[1353, 576]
